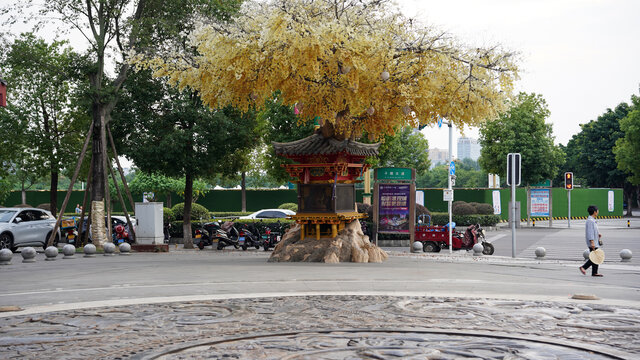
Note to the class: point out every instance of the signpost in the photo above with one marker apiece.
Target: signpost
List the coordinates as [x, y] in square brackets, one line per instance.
[394, 202]
[513, 179]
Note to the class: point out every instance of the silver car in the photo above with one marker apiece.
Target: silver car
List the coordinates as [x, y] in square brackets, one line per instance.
[26, 227]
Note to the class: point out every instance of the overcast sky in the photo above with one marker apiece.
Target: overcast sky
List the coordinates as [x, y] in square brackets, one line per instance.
[582, 56]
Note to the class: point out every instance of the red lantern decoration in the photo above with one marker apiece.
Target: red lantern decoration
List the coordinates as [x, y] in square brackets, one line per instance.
[3, 93]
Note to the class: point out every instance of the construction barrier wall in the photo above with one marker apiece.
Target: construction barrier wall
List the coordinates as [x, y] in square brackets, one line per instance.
[230, 200]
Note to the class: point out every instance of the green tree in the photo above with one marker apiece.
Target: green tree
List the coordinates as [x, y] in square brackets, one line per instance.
[406, 148]
[280, 124]
[627, 149]
[172, 134]
[156, 183]
[521, 129]
[114, 28]
[44, 132]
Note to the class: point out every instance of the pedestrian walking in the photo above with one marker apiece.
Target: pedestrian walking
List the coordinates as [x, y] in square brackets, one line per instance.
[594, 241]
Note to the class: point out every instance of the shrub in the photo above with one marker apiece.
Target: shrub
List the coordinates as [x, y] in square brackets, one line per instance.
[465, 220]
[421, 210]
[289, 206]
[365, 209]
[167, 215]
[483, 209]
[44, 206]
[197, 212]
[462, 208]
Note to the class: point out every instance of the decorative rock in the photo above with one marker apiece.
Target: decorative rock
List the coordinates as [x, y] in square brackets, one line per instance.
[89, 250]
[28, 255]
[585, 254]
[540, 252]
[384, 76]
[477, 249]
[51, 252]
[625, 255]
[5, 256]
[125, 248]
[69, 251]
[109, 249]
[351, 245]
[417, 246]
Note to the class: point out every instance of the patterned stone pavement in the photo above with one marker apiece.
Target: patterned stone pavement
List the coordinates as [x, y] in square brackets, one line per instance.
[329, 327]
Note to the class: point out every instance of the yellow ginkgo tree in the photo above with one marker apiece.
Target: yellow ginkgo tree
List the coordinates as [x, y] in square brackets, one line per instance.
[359, 65]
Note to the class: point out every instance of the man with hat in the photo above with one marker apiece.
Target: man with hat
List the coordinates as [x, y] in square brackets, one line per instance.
[592, 236]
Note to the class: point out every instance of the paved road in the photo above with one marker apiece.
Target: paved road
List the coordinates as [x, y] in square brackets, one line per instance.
[191, 304]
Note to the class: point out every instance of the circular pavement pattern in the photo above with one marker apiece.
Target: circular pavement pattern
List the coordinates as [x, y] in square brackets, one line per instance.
[329, 327]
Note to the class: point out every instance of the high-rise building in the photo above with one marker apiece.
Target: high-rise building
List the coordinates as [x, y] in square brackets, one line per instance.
[438, 156]
[468, 148]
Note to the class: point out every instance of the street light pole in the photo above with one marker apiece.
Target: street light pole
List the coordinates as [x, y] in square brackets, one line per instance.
[450, 187]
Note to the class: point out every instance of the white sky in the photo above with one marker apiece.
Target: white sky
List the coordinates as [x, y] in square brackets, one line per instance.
[582, 56]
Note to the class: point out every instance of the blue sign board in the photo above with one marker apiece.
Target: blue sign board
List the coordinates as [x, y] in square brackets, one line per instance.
[452, 168]
[540, 202]
[439, 121]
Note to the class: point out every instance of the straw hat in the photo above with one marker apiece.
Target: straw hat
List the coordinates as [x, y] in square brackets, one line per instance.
[597, 256]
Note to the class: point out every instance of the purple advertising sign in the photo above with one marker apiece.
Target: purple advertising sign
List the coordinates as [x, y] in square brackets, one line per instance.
[394, 208]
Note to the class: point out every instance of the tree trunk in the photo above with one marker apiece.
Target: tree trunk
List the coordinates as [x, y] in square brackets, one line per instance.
[244, 192]
[53, 193]
[169, 199]
[188, 198]
[24, 194]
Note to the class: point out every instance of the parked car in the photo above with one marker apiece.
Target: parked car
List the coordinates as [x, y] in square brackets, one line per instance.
[21, 227]
[269, 214]
[115, 221]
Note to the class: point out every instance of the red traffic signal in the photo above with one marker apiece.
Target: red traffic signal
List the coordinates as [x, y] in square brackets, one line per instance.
[568, 180]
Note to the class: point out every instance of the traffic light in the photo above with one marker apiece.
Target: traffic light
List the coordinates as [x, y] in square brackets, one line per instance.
[568, 180]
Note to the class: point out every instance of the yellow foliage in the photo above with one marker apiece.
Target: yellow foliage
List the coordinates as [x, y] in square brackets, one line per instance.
[329, 58]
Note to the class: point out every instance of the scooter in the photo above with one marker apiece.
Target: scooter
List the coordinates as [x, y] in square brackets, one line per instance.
[69, 230]
[120, 235]
[249, 237]
[271, 237]
[226, 234]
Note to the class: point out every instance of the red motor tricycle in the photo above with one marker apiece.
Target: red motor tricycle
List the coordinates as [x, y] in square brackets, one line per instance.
[434, 238]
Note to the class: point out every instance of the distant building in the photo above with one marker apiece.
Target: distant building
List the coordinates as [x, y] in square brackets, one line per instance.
[468, 148]
[438, 156]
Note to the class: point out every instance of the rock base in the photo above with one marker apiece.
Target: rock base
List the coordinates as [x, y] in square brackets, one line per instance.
[351, 245]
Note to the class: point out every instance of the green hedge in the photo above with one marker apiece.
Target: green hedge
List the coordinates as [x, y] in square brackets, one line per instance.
[229, 214]
[465, 220]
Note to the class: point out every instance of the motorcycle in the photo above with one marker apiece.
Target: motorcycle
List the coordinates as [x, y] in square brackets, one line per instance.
[69, 230]
[249, 236]
[120, 235]
[271, 237]
[226, 234]
[201, 236]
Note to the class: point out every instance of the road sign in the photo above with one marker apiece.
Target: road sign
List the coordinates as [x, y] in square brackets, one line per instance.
[513, 159]
[393, 174]
[439, 121]
[447, 195]
[452, 168]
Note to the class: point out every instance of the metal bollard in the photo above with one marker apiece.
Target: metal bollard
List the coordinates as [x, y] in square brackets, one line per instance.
[628, 223]
[534, 222]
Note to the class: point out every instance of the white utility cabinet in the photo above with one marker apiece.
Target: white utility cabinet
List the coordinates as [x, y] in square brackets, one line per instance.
[149, 228]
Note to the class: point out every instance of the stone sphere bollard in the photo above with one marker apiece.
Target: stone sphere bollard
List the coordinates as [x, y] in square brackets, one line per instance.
[89, 250]
[69, 251]
[109, 249]
[28, 255]
[478, 249]
[5, 256]
[417, 246]
[540, 252]
[125, 248]
[586, 253]
[625, 255]
[50, 252]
